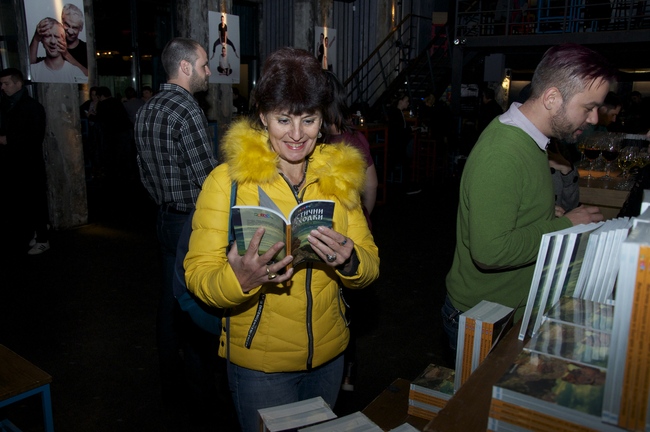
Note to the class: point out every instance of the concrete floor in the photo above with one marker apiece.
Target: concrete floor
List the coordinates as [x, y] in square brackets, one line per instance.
[85, 310]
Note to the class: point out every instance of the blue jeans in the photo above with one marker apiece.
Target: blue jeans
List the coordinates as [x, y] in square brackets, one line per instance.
[252, 390]
[450, 317]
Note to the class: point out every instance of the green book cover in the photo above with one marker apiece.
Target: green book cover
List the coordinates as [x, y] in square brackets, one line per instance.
[292, 230]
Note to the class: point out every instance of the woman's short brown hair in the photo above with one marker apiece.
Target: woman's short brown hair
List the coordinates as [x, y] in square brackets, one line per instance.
[292, 81]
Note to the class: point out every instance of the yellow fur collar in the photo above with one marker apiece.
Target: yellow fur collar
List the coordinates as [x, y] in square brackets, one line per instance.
[339, 169]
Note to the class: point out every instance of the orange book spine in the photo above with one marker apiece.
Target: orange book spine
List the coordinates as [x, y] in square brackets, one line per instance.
[530, 419]
[470, 325]
[486, 340]
[636, 379]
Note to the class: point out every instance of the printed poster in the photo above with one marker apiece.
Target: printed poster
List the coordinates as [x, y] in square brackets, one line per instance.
[325, 44]
[57, 41]
[224, 48]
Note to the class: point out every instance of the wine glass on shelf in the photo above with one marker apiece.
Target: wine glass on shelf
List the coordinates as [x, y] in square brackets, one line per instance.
[610, 149]
[591, 152]
[627, 158]
[581, 149]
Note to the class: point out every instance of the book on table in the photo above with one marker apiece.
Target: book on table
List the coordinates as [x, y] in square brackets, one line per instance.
[292, 230]
[430, 391]
[478, 331]
[581, 312]
[355, 422]
[545, 393]
[405, 427]
[599, 278]
[560, 262]
[292, 416]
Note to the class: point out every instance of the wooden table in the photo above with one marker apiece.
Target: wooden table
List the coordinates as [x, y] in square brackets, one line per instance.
[389, 409]
[602, 194]
[468, 410]
[377, 136]
[20, 379]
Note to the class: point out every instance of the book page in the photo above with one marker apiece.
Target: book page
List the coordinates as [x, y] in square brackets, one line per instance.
[247, 219]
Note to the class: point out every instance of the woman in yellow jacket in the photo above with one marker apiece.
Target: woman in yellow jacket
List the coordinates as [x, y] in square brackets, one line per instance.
[284, 330]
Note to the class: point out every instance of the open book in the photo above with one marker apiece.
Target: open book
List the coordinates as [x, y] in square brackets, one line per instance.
[292, 230]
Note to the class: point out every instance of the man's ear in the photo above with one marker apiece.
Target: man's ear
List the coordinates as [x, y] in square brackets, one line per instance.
[185, 68]
[552, 99]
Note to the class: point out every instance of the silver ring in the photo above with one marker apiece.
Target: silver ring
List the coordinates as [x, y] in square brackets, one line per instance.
[345, 240]
[331, 258]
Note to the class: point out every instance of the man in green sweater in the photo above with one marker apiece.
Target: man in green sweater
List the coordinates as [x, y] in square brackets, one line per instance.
[506, 198]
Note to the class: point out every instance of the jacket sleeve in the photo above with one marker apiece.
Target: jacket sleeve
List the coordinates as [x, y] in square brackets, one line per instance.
[366, 250]
[207, 272]
[509, 211]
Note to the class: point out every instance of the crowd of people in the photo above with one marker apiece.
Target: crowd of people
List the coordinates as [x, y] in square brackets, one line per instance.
[279, 333]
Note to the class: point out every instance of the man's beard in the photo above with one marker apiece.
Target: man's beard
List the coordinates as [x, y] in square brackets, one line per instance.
[561, 127]
[197, 84]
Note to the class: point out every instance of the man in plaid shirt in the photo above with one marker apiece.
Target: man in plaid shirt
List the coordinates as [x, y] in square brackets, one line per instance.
[175, 156]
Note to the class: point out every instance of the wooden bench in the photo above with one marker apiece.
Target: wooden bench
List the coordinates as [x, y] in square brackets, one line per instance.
[20, 379]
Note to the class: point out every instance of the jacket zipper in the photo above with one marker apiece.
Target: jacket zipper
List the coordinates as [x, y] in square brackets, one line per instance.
[256, 321]
[310, 304]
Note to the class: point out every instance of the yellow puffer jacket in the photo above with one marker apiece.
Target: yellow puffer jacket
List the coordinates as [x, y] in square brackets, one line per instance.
[274, 328]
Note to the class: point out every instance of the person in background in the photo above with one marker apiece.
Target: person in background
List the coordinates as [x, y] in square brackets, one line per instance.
[147, 93]
[239, 102]
[607, 116]
[132, 103]
[88, 109]
[565, 179]
[636, 114]
[506, 198]
[400, 143]
[285, 331]
[174, 154]
[116, 138]
[21, 151]
[489, 109]
[338, 129]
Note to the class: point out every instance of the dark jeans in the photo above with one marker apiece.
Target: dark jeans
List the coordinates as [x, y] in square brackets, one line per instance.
[450, 322]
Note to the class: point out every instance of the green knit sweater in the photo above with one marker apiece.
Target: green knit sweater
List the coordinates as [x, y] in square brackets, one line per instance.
[506, 203]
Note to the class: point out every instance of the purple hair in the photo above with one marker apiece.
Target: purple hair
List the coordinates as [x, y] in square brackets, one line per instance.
[571, 68]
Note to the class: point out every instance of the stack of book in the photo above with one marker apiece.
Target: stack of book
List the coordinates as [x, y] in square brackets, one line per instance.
[627, 387]
[587, 365]
[292, 416]
[478, 330]
[430, 391]
[580, 262]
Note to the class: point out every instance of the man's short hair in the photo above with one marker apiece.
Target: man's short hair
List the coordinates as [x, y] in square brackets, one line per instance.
[70, 9]
[571, 68]
[15, 74]
[177, 50]
[104, 91]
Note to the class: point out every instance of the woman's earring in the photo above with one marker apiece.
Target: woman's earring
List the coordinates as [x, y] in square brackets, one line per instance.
[266, 128]
[319, 135]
